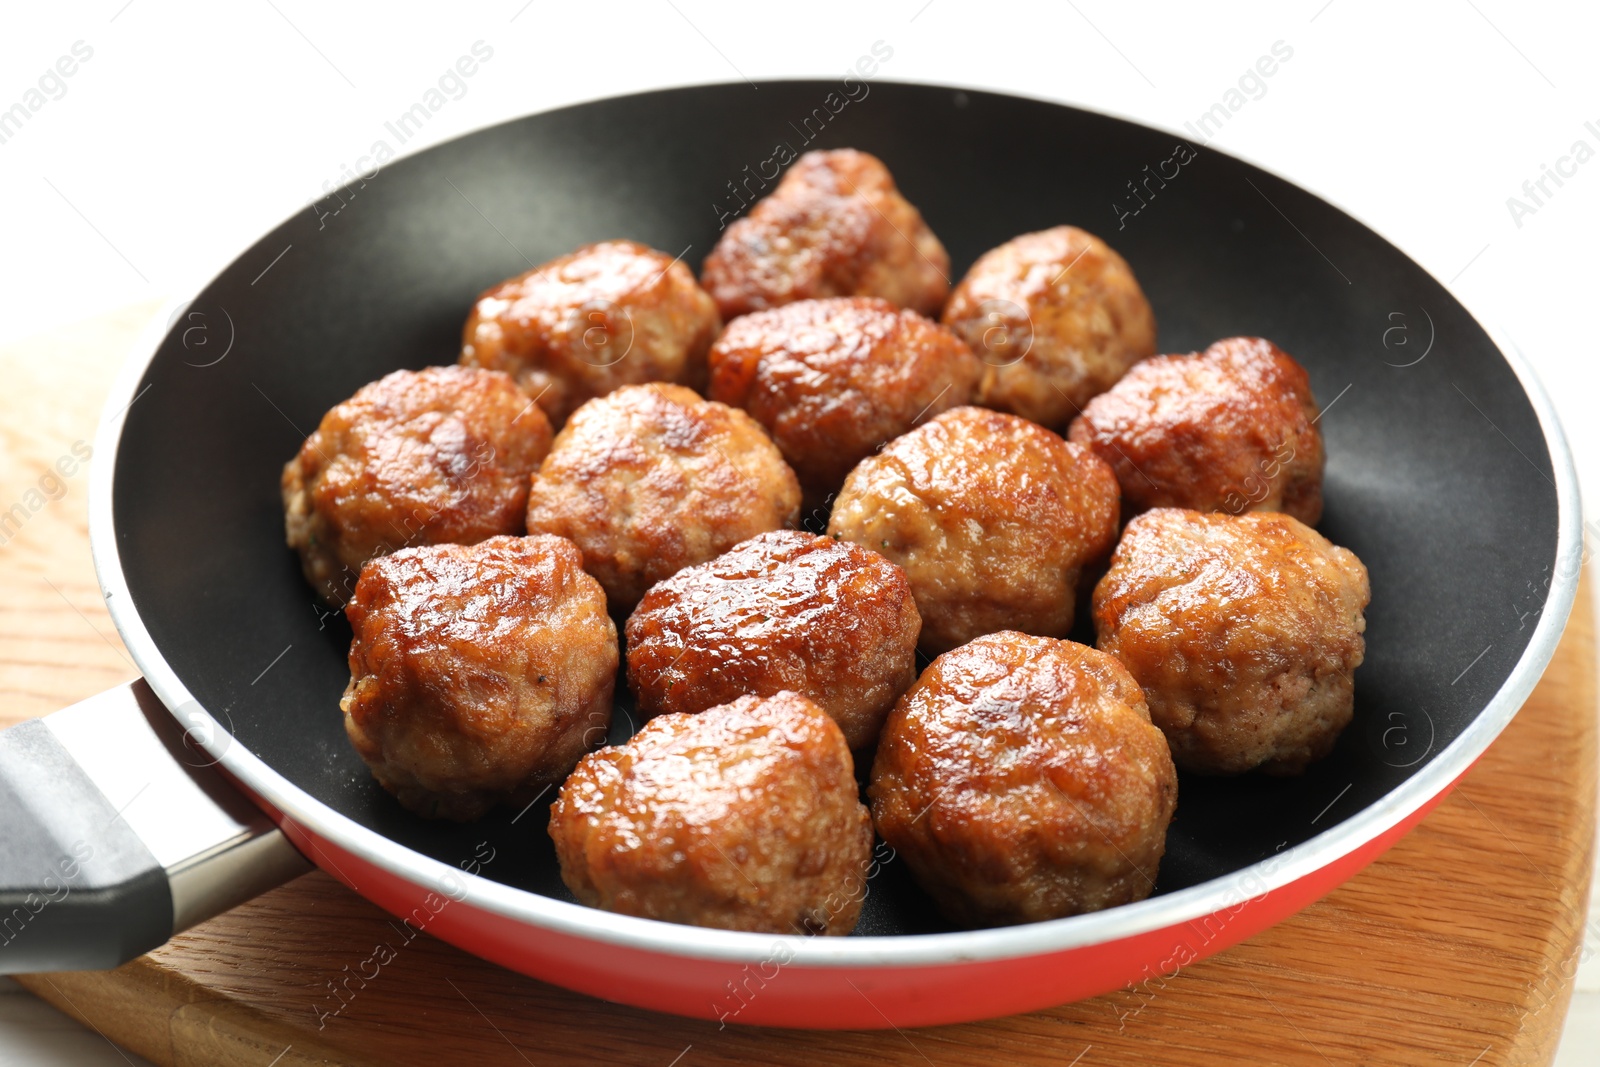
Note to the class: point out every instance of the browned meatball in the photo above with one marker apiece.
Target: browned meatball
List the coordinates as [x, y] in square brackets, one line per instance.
[415, 458]
[1244, 632]
[652, 479]
[478, 674]
[1231, 429]
[785, 610]
[1021, 780]
[1056, 317]
[743, 817]
[831, 380]
[609, 314]
[835, 226]
[992, 517]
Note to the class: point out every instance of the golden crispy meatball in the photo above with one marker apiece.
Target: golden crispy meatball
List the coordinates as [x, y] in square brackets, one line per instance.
[1056, 317]
[415, 458]
[1243, 631]
[651, 479]
[835, 226]
[479, 673]
[786, 610]
[1021, 780]
[991, 516]
[609, 314]
[743, 817]
[831, 380]
[1231, 429]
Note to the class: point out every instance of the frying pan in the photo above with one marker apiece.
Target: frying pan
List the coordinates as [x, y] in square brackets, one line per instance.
[143, 810]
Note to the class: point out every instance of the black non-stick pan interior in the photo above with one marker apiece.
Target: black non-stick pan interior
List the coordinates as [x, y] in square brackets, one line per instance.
[1438, 475]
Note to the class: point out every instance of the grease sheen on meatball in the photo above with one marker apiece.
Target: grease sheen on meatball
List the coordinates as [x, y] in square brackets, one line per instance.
[651, 479]
[743, 817]
[1231, 429]
[478, 674]
[1244, 631]
[831, 380]
[1022, 780]
[415, 458]
[608, 314]
[992, 517]
[782, 611]
[1057, 317]
[835, 226]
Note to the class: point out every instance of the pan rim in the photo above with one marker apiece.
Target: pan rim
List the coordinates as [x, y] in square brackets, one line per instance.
[900, 951]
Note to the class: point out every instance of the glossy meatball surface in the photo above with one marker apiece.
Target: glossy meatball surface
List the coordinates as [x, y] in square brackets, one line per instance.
[743, 817]
[991, 516]
[416, 458]
[782, 611]
[834, 226]
[608, 314]
[651, 479]
[1057, 317]
[1022, 780]
[831, 380]
[1244, 631]
[478, 674]
[1231, 429]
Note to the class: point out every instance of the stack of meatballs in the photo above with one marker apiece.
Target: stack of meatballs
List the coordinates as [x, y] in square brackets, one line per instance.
[624, 448]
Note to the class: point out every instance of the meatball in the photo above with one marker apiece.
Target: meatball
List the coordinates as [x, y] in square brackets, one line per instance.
[651, 479]
[835, 226]
[416, 458]
[831, 380]
[785, 610]
[992, 517]
[1056, 317]
[1243, 631]
[609, 314]
[478, 673]
[1022, 780]
[743, 817]
[1231, 429]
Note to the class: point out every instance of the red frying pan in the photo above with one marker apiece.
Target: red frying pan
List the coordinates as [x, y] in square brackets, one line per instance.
[146, 809]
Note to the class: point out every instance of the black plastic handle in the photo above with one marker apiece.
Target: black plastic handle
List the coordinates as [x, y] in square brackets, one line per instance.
[117, 830]
[78, 888]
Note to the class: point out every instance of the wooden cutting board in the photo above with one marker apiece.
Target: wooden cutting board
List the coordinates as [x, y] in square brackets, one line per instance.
[1458, 947]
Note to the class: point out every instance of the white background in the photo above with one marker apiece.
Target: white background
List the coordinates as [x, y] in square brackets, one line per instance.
[195, 127]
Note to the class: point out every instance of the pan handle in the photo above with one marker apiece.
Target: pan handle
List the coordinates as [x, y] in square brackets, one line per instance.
[116, 832]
